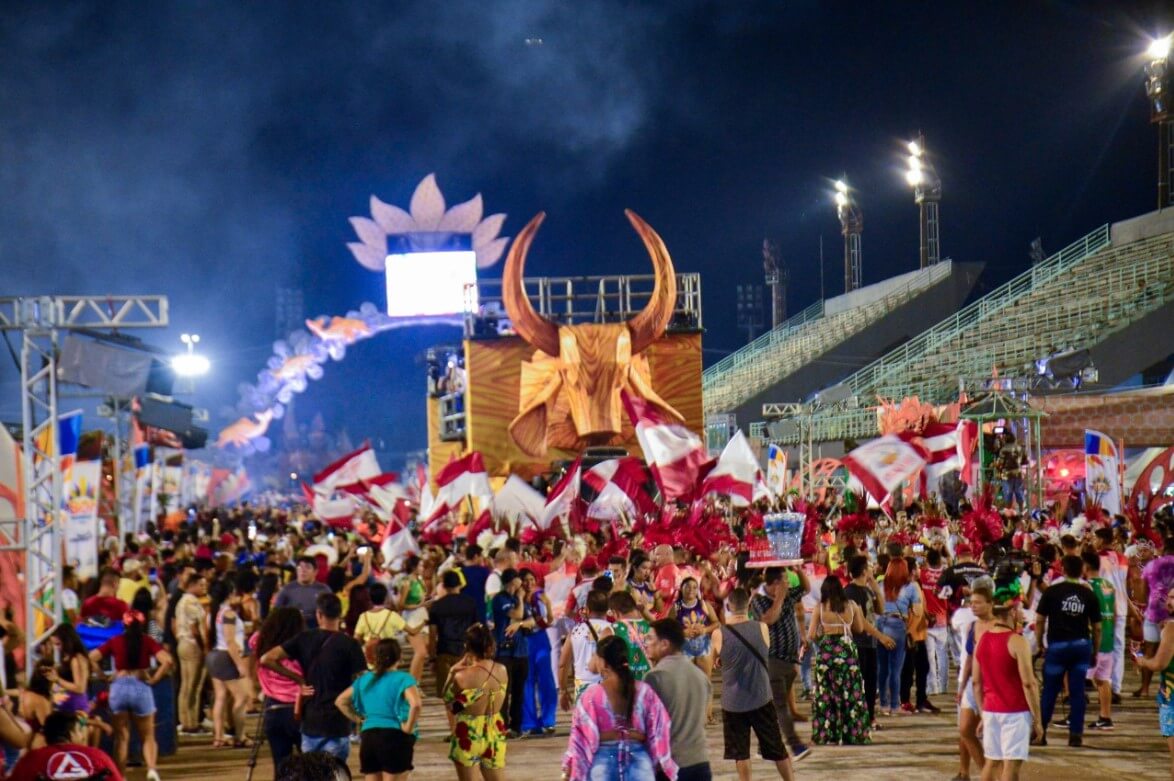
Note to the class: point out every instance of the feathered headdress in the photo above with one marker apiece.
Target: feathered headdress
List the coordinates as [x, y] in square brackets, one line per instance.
[983, 525]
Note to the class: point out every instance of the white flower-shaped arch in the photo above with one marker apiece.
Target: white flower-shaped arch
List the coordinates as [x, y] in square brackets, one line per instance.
[427, 215]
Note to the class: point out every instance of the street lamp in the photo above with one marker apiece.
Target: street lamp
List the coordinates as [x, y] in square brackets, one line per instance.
[1157, 89]
[190, 363]
[927, 193]
[851, 225]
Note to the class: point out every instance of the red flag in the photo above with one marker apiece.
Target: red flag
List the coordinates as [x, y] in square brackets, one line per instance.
[351, 468]
[619, 489]
[949, 446]
[463, 477]
[676, 456]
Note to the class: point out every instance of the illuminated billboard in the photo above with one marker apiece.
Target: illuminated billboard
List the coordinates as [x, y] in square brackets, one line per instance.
[427, 282]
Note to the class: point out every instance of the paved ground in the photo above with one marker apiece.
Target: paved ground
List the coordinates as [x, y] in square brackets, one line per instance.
[910, 748]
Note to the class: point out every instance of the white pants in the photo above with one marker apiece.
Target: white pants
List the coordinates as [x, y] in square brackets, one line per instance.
[1118, 653]
[936, 640]
[959, 627]
[555, 634]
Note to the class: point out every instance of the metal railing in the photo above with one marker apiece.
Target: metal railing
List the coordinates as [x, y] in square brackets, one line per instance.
[739, 356]
[1107, 292]
[568, 300]
[793, 347]
[894, 363]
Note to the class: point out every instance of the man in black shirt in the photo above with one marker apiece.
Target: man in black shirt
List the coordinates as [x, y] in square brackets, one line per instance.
[1073, 617]
[330, 662]
[776, 608]
[954, 587]
[450, 616]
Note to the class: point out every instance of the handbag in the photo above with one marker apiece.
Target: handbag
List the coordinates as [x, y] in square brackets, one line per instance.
[300, 699]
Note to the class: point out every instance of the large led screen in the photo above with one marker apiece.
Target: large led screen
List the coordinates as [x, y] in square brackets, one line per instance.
[423, 284]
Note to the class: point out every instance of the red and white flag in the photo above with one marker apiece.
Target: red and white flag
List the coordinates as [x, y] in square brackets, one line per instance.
[461, 478]
[676, 456]
[949, 446]
[618, 484]
[358, 465]
[398, 543]
[518, 502]
[884, 463]
[736, 474]
[560, 502]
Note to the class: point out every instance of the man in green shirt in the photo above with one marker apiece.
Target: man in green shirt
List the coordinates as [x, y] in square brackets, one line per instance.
[1102, 671]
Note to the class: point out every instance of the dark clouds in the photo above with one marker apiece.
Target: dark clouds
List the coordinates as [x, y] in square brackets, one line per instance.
[212, 150]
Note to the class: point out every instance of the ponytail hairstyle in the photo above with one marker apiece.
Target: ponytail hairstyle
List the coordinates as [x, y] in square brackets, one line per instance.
[387, 655]
[479, 642]
[614, 653]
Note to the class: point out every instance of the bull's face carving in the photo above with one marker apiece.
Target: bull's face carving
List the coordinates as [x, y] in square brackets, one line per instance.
[570, 389]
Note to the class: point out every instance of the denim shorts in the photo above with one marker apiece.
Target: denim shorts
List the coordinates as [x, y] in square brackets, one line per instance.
[133, 695]
[629, 762]
[339, 747]
[696, 647]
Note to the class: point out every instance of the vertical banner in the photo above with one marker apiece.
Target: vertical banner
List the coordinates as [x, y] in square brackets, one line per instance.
[1102, 473]
[81, 517]
[776, 470]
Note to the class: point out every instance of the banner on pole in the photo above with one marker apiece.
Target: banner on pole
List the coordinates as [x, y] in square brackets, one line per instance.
[1102, 473]
[81, 517]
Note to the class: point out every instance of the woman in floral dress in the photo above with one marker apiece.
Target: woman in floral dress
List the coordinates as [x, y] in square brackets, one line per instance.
[839, 709]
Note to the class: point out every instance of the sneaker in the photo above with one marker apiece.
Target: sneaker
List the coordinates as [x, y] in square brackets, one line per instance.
[1104, 724]
[152, 775]
[800, 751]
[1061, 722]
[928, 707]
[1076, 741]
[1116, 698]
[907, 707]
[548, 731]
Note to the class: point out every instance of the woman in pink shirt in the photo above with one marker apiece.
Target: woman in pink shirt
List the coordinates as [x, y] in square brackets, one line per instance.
[281, 729]
[620, 728]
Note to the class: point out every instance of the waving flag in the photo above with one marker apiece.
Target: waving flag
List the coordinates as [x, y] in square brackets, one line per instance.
[518, 502]
[950, 446]
[884, 463]
[677, 457]
[560, 503]
[1102, 471]
[357, 465]
[619, 490]
[735, 474]
[398, 542]
[461, 478]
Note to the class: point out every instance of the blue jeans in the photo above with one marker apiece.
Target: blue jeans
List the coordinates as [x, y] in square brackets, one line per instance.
[339, 747]
[629, 759]
[1012, 488]
[540, 695]
[889, 663]
[1071, 658]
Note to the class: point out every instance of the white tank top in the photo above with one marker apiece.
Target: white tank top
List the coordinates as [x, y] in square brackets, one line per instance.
[238, 627]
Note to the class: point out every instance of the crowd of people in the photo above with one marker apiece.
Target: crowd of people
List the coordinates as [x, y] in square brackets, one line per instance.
[266, 611]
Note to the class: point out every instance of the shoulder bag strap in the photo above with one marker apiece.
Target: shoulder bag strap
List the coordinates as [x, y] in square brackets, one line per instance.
[751, 648]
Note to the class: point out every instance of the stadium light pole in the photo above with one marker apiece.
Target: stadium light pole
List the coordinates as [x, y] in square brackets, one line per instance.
[927, 194]
[1157, 89]
[851, 226]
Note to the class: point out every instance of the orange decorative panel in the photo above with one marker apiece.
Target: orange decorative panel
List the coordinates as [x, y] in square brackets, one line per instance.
[493, 370]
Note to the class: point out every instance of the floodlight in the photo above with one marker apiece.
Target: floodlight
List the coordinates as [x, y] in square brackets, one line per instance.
[1159, 49]
[914, 163]
[840, 186]
[190, 365]
[841, 199]
[914, 177]
[915, 149]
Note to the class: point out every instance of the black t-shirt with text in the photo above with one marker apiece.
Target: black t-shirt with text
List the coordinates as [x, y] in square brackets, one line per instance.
[329, 661]
[452, 615]
[1071, 609]
[958, 577]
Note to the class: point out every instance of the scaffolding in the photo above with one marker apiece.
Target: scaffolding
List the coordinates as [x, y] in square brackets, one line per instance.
[38, 532]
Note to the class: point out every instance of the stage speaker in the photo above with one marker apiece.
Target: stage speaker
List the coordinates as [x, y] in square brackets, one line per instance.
[110, 368]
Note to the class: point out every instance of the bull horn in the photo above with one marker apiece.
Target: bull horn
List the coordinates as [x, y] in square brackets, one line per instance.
[528, 324]
[647, 326]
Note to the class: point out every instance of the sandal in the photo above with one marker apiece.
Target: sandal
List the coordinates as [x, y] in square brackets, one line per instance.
[220, 743]
[244, 743]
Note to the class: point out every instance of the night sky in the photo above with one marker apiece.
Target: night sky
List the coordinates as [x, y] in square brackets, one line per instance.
[212, 151]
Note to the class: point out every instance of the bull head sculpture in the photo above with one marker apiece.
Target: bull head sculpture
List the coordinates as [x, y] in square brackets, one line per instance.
[570, 389]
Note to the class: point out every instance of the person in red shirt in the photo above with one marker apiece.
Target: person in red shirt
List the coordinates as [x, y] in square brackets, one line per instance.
[65, 756]
[105, 603]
